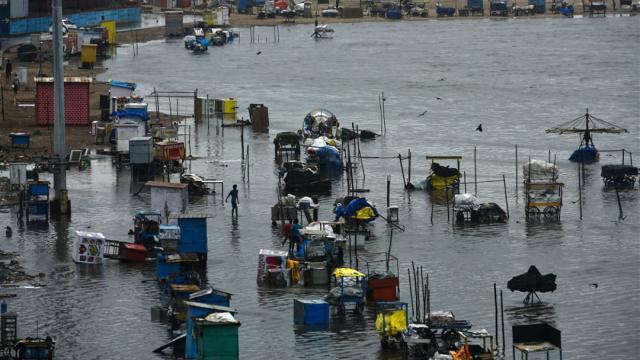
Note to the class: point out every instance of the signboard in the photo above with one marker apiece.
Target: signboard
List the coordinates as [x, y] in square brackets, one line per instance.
[88, 248]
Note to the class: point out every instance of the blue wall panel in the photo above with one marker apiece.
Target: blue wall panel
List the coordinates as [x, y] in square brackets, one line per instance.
[89, 18]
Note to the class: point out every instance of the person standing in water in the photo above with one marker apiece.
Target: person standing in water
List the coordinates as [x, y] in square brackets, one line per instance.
[234, 200]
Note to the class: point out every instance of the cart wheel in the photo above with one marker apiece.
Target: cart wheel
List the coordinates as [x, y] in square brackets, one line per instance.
[551, 211]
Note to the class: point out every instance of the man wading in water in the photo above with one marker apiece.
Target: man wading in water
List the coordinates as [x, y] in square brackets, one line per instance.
[234, 201]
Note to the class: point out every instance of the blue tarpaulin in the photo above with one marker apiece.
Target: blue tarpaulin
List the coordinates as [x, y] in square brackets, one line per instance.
[353, 207]
[586, 154]
[130, 113]
[330, 156]
[123, 84]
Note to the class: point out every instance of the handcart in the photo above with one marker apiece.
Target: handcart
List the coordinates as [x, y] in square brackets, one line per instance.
[391, 322]
[350, 288]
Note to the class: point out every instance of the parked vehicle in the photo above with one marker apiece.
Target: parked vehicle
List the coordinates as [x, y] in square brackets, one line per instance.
[66, 26]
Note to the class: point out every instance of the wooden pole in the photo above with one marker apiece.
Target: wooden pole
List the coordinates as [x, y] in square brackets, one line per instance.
[247, 163]
[170, 111]
[580, 190]
[404, 182]
[504, 183]
[502, 320]
[516, 172]
[208, 118]
[389, 249]
[410, 292]
[464, 178]
[409, 169]
[495, 302]
[381, 121]
[242, 141]
[475, 172]
[384, 115]
[388, 190]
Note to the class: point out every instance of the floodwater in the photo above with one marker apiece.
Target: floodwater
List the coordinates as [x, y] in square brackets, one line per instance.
[516, 77]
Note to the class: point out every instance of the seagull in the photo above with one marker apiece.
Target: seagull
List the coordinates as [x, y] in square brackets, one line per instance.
[479, 128]
[259, 52]
[437, 98]
[594, 285]
[423, 113]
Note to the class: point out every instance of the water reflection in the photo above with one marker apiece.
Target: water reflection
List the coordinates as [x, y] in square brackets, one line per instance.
[521, 315]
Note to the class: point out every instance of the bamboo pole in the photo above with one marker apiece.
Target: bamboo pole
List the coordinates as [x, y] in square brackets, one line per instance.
[475, 172]
[495, 302]
[516, 172]
[504, 183]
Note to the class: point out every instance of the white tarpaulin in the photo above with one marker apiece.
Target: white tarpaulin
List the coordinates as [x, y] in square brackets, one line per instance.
[466, 202]
[539, 170]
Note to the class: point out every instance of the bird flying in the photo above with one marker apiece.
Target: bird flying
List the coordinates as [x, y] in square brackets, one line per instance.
[479, 128]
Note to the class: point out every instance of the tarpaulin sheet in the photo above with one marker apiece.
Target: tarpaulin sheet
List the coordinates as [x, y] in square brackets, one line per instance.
[353, 207]
[394, 321]
[347, 272]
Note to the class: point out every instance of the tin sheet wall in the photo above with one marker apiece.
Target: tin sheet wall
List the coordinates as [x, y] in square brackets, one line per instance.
[76, 104]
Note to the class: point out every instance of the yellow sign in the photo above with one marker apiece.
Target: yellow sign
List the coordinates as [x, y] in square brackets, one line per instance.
[110, 25]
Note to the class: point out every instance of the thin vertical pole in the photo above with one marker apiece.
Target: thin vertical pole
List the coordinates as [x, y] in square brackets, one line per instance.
[242, 141]
[580, 189]
[495, 302]
[549, 156]
[404, 182]
[504, 183]
[464, 178]
[388, 190]
[355, 239]
[622, 156]
[170, 110]
[247, 163]
[516, 172]
[381, 122]
[409, 169]
[208, 118]
[475, 172]
[410, 292]
[384, 114]
[502, 320]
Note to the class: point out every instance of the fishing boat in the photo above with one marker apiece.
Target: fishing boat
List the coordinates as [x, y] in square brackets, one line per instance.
[586, 125]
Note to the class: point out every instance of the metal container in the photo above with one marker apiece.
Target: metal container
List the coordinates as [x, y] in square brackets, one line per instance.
[141, 150]
[193, 234]
[259, 115]
[18, 173]
[310, 312]
[173, 23]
